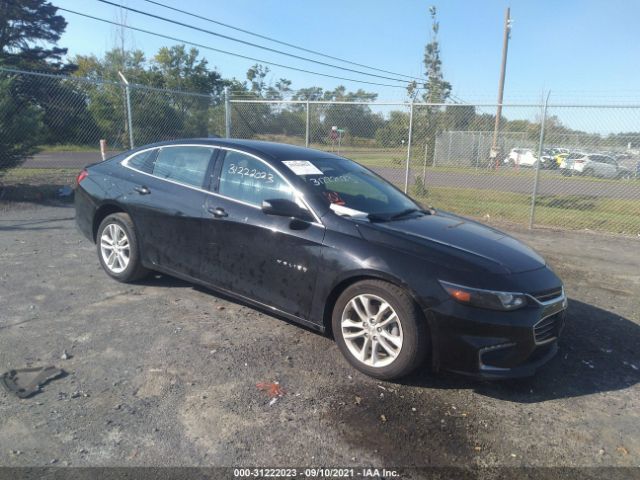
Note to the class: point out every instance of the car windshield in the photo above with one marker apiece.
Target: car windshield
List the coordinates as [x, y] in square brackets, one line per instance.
[353, 190]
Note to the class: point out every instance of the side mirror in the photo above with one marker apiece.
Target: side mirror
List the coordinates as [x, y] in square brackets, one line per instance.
[284, 208]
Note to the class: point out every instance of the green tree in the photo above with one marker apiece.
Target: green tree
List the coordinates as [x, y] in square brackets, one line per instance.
[357, 120]
[394, 130]
[181, 69]
[278, 91]
[310, 93]
[429, 121]
[106, 97]
[185, 102]
[436, 88]
[29, 30]
[20, 124]
[256, 75]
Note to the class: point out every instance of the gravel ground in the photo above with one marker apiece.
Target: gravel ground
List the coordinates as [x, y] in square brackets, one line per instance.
[164, 373]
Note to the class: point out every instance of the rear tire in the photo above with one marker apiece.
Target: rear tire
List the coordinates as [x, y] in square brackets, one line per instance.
[118, 250]
[588, 172]
[389, 338]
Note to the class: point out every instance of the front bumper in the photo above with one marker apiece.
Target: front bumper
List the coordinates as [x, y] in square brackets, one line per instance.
[494, 344]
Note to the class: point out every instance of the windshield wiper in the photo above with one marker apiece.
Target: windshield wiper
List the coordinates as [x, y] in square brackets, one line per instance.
[404, 213]
[377, 217]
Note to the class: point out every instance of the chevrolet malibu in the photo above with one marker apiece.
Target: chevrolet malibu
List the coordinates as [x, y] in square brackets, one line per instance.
[320, 240]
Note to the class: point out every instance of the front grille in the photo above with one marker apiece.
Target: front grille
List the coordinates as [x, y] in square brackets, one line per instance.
[547, 295]
[547, 329]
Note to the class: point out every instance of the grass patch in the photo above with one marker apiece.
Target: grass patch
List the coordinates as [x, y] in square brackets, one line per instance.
[38, 176]
[575, 212]
[68, 148]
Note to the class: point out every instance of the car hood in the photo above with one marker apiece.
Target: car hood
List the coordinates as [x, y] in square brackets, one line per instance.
[464, 238]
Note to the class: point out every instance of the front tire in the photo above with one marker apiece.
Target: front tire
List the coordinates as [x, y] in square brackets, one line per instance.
[118, 250]
[380, 329]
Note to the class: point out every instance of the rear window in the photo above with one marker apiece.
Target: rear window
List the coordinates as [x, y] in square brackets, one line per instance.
[143, 161]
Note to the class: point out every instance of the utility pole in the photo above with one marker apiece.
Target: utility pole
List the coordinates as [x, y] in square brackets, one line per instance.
[227, 113]
[505, 47]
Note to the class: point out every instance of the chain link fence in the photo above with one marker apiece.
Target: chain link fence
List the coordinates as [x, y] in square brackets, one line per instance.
[582, 172]
[565, 166]
[51, 126]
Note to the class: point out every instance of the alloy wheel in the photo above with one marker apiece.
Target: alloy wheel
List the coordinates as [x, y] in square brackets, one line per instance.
[372, 330]
[114, 247]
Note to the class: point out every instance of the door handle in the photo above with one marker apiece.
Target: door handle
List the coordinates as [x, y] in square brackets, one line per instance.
[217, 212]
[142, 190]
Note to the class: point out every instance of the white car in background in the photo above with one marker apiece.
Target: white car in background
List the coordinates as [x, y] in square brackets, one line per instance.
[593, 165]
[523, 157]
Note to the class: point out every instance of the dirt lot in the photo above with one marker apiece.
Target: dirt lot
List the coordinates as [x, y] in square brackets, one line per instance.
[163, 373]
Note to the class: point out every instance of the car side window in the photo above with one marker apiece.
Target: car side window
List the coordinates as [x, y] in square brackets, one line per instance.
[186, 164]
[143, 161]
[249, 180]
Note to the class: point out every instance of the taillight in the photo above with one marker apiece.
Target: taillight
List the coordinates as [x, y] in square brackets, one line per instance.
[81, 176]
[579, 161]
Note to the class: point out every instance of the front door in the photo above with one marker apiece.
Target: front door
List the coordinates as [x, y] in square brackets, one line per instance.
[269, 259]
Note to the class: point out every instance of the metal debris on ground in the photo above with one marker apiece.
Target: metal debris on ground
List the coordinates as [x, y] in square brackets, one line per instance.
[273, 390]
[28, 381]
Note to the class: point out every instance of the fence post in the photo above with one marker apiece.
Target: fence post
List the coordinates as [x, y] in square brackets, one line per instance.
[406, 172]
[227, 113]
[128, 96]
[308, 127]
[538, 162]
[478, 149]
[424, 164]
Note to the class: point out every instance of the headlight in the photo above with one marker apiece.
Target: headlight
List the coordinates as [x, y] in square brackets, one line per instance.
[485, 298]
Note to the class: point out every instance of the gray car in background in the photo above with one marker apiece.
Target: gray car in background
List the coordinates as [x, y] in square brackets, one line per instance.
[594, 165]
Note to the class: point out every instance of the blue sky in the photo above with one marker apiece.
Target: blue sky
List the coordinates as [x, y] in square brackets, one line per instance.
[584, 51]
[579, 49]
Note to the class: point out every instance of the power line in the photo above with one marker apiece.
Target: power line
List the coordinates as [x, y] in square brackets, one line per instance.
[251, 44]
[271, 39]
[206, 47]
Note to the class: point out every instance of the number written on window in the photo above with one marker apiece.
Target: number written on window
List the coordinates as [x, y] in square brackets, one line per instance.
[250, 172]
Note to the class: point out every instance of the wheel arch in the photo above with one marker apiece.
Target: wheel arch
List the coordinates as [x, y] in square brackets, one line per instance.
[346, 282]
[102, 212]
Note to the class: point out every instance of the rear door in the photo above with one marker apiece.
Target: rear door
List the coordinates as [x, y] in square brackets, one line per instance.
[168, 206]
[273, 260]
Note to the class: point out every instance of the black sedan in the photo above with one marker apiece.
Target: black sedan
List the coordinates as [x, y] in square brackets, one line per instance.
[320, 240]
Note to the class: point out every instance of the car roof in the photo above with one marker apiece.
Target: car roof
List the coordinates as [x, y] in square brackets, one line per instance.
[272, 150]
